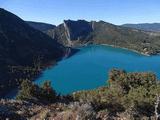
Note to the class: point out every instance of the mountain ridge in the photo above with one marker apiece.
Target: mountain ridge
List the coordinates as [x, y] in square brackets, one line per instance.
[153, 27]
[40, 25]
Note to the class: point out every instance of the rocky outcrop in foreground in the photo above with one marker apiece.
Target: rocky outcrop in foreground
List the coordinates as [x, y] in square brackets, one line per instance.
[23, 110]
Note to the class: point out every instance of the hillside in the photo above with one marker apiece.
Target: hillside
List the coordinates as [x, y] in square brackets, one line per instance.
[154, 27]
[81, 32]
[41, 26]
[21, 45]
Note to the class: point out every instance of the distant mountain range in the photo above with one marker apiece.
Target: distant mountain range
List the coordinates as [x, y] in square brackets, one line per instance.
[21, 45]
[154, 27]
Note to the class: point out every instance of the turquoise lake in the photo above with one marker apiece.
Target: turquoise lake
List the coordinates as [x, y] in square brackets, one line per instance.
[88, 68]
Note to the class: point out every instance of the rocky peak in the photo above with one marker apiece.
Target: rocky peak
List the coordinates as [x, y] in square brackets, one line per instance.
[78, 29]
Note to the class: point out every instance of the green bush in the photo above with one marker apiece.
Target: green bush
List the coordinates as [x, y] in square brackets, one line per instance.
[28, 90]
[124, 92]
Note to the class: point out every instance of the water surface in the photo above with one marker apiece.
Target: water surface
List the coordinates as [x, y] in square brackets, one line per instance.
[88, 69]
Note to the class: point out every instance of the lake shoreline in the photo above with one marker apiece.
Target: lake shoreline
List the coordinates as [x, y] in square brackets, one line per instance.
[145, 54]
[127, 49]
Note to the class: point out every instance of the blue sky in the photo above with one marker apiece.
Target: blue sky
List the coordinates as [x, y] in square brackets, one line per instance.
[113, 11]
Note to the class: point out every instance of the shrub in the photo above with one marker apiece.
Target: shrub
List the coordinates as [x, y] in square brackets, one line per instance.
[124, 91]
[123, 81]
[31, 91]
[27, 90]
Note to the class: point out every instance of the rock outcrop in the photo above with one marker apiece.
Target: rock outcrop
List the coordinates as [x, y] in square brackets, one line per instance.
[23, 110]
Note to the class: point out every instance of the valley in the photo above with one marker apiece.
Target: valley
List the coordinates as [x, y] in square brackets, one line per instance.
[79, 69]
[52, 43]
